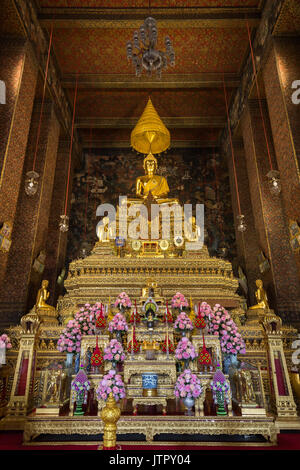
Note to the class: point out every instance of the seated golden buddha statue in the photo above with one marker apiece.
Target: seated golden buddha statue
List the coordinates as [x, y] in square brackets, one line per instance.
[46, 311]
[152, 185]
[261, 297]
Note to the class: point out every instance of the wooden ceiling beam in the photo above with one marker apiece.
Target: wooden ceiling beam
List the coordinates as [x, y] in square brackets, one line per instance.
[100, 144]
[171, 122]
[122, 81]
[166, 17]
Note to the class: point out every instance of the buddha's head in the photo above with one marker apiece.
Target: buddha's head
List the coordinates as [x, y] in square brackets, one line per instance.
[259, 283]
[150, 164]
[45, 283]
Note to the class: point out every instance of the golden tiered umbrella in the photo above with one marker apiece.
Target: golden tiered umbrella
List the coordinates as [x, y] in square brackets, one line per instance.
[150, 134]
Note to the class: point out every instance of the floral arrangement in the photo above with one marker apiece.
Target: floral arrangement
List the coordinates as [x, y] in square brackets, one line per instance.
[185, 350]
[221, 324]
[220, 384]
[188, 385]
[83, 324]
[111, 383]
[86, 318]
[183, 322]
[80, 386]
[118, 323]
[114, 351]
[70, 339]
[171, 348]
[179, 301]
[5, 341]
[123, 301]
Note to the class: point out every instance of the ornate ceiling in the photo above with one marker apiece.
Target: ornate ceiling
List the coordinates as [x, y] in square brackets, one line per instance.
[209, 39]
[145, 3]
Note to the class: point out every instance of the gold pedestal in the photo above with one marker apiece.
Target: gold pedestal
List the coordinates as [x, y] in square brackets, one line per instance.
[47, 315]
[149, 392]
[255, 316]
[252, 410]
[49, 410]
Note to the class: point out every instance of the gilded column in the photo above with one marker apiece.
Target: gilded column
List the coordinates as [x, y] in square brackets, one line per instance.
[281, 280]
[29, 239]
[19, 72]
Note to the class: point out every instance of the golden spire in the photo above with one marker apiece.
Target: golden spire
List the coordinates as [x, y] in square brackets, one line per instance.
[150, 134]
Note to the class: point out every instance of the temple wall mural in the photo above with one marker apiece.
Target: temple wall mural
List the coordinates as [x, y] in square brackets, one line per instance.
[101, 180]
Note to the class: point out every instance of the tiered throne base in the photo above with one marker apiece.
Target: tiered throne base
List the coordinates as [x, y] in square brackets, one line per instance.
[152, 427]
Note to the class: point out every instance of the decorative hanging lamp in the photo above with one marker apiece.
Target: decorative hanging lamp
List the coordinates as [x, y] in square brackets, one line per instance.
[32, 177]
[241, 227]
[273, 175]
[150, 134]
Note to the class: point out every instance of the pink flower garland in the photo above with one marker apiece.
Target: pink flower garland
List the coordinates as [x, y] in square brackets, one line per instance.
[185, 350]
[5, 341]
[179, 301]
[111, 383]
[123, 301]
[222, 325]
[83, 324]
[188, 385]
[183, 322]
[114, 351]
[118, 323]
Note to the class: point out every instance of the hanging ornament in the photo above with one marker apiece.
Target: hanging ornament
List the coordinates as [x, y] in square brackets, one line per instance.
[241, 218]
[101, 321]
[64, 223]
[274, 182]
[204, 356]
[169, 317]
[133, 345]
[167, 345]
[97, 356]
[135, 316]
[242, 227]
[31, 183]
[199, 320]
[273, 175]
[223, 250]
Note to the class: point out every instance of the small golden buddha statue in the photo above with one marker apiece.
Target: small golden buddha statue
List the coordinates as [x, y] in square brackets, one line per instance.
[261, 297]
[42, 296]
[45, 311]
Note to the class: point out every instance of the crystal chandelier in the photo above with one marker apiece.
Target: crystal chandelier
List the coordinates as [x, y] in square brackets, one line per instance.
[146, 55]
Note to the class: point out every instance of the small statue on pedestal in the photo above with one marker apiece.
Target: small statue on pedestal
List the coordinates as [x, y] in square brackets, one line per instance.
[261, 297]
[44, 310]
